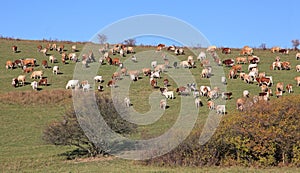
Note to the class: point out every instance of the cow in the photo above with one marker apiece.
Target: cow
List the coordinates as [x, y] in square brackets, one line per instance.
[21, 79]
[221, 109]
[60, 49]
[153, 82]
[205, 73]
[277, 59]
[18, 63]
[28, 61]
[44, 51]
[9, 64]
[237, 68]
[43, 81]
[146, 71]
[185, 64]
[226, 50]
[279, 86]
[15, 82]
[86, 87]
[240, 104]
[127, 102]
[155, 74]
[223, 80]
[297, 80]
[183, 90]
[116, 75]
[28, 69]
[284, 51]
[166, 82]
[36, 74]
[134, 75]
[160, 47]
[179, 51]
[171, 48]
[130, 50]
[73, 57]
[201, 56]
[163, 104]
[44, 64]
[276, 65]
[39, 48]
[198, 102]
[213, 94]
[265, 80]
[226, 95]
[14, 49]
[254, 60]
[52, 59]
[232, 74]
[241, 60]
[169, 94]
[298, 56]
[286, 65]
[289, 88]
[211, 105]
[111, 83]
[34, 85]
[204, 90]
[297, 68]
[251, 66]
[211, 48]
[98, 79]
[74, 48]
[275, 49]
[246, 50]
[153, 64]
[228, 62]
[55, 70]
[279, 94]
[246, 93]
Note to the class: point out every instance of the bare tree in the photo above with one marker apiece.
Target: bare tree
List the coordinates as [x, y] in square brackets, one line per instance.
[130, 42]
[295, 43]
[263, 46]
[102, 38]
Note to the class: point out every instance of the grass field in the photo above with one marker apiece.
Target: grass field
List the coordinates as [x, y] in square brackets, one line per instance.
[25, 113]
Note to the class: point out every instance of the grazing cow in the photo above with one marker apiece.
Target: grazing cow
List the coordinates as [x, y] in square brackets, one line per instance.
[160, 67]
[275, 49]
[130, 50]
[201, 56]
[166, 82]
[237, 68]
[28, 61]
[297, 80]
[204, 73]
[204, 90]
[9, 64]
[241, 60]
[116, 76]
[179, 51]
[146, 71]
[284, 51]
[246, 51]
[192, 86]
[111, 83]
[279, 86]
[254, 60]
[213, 94]
[160, 47]
[169, 94]
[155, 74]
[211, 105]
[240, 104]
[73, 57]
[163, 104]
[53, 46]
[55, 70]
[44, 64]
[226, 95]
[133, 58]
[223, 80]
[185, 64]
[36, 74]
[297, 68]
[134, 75]
[14, 49]
[60, 49]
[246, 93]
[251, 66]
[221, 109]
[265, 80]
[74, 48]
[98, 79]
[39, 48]
[52, 59]
[211, 48]
[183, 90]
[34, 85]
[28, 69]
[153, 64]
[153, 82]
[21, 79]
[226, 50]
[286, 65]
[232, 74]
[198, 102]
[228, 62]
[276, 65]
[171, 48]
[15, 82]
[127, 102]
[289, 88]
[86, 87]
[44, 51]
[298, 56]
[18, 62]
[43, 81]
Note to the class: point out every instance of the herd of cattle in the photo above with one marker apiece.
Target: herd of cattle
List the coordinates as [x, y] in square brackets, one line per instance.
[155, 70]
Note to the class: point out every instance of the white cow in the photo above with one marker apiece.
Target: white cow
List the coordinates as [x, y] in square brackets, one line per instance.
[201, 56]
[169, 94]
[86, 87]
[221, 109]
[34, 85]
[246, 93]
[127, 102]
[72, 84]
[163, 104]
[153, 64]
[98, 79]
[198, 102]
[55, 70]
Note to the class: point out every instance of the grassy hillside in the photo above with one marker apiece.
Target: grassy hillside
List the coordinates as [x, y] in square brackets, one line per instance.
[25, 113]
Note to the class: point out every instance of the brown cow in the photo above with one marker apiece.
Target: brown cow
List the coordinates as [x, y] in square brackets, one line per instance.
[9, 64]
[160, 47]
[44, 64]
[232, 74]
[39, 48]
[27, 62]
[43, 81]
[237, 68]
[297, 80]
[286, 65]
[275, 49]
[279, 86]
[226, 50]
[14, 49]
[289, 88]
[240, 60]
[28, 70]
[146, 71]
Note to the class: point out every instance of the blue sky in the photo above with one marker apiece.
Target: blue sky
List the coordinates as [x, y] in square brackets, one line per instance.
[232, 23]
